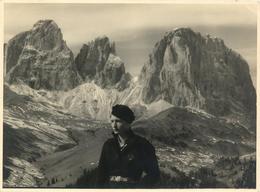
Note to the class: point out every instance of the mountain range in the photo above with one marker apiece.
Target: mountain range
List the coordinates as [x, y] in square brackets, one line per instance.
[194, 100]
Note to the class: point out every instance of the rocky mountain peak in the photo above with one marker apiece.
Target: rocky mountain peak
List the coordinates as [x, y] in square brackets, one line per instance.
[188, 69]
[46, 35]
[98, 61]
[41, 58]
[104, 42]
[44, 23]
[186, 36]
[181, 32]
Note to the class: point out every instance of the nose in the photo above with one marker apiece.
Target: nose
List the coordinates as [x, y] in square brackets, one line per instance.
[113, 124]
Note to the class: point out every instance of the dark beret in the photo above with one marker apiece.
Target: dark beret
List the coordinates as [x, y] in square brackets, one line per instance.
[123, 112]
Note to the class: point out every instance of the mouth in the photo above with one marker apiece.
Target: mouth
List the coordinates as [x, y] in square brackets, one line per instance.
[115, 131]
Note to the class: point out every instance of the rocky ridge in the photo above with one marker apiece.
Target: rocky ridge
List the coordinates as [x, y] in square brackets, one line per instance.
[41, 59]
[98, 62]
[184, 69]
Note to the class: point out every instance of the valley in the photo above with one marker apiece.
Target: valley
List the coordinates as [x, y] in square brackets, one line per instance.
[62, 146]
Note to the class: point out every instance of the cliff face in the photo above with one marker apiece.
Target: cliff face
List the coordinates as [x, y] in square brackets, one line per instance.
[14, 49]
[41, 58]
[98, 61]
[187, 69]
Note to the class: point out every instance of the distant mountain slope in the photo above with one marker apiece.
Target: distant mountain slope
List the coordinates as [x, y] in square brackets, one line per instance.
[197, 131]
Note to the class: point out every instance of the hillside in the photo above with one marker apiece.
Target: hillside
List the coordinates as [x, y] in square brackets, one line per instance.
[34, 128]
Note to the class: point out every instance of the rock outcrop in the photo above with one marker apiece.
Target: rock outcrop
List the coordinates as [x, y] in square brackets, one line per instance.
[41, 59]
[98, 61]
[187, 69]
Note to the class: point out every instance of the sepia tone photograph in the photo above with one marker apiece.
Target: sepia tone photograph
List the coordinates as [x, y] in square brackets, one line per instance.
[129, 95]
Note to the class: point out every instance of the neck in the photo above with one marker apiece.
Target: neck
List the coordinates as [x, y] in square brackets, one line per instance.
[121, 141]
[123, 136]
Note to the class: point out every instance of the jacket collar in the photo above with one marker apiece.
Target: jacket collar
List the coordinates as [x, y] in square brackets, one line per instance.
[129, 141]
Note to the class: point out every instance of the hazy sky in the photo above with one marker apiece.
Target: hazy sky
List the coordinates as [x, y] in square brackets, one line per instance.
[135, 28]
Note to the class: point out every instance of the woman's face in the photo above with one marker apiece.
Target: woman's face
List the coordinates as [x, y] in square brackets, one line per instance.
[119, 126]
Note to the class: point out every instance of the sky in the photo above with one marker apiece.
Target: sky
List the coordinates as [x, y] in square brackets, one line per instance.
[135, 28]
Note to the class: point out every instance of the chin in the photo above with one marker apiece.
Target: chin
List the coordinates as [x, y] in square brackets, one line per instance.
[115, 132]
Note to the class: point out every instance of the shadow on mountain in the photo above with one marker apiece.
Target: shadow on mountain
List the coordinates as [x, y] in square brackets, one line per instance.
[18, 143]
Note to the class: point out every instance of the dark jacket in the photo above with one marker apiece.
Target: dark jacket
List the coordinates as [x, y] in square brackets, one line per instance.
[136, 161]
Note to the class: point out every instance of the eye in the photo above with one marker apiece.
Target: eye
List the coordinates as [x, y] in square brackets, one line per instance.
[118, 121]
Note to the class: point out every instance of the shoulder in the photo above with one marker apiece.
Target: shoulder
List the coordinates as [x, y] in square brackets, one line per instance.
[109, 142]
[144, 143]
